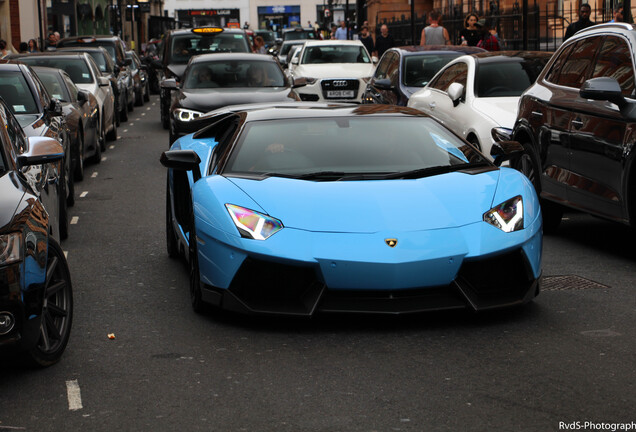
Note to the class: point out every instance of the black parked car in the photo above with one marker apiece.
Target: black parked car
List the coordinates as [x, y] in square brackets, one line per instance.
[180, 45]
[140, 79]
[82, 116]
[577, 124]
[40, 115]
[216, 80]
[36, 297]
[116, 48]
[404, 70]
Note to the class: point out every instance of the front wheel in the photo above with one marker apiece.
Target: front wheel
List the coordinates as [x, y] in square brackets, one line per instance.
[171, 238]
[528, 164]
[78, 171]
[57, 310]
[195, 278]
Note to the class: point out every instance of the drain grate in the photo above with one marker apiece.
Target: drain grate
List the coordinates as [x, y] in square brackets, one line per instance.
[569, 282]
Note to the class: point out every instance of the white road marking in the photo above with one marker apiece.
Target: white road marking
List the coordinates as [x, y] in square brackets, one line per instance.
[143, 114]
[74, 396]
[131, 124]
[138, 118]
[65, 254]
[94, 174]
[119, 136]
[83, 194]
[125, 130]
[111, 147]
[74, 220]
[148, 109]
[104, 158]
[11, 428]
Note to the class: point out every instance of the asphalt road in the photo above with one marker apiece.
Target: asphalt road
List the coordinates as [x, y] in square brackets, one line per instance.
[567, 357]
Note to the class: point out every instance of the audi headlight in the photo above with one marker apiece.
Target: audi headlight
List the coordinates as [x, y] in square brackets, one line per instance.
[311, 80]
[507, 216]
[253, 225]
[186, 115]
[10, 248]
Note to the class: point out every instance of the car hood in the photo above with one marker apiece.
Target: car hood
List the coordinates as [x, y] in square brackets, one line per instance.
[438, 202]
[205, 100]
[501, 110]
[335, 70]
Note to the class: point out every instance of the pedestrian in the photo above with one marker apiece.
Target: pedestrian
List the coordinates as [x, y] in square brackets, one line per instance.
[259, 45]
[33, 46]
[434, 33]
[51, 41]
[584, 21]
[618, 13]
[246, 26]
[24, 47]
[489, 39]
[470, 35]
[383, 41]
[4, 51]
[341, 32]
[333, 31]
[366, 39]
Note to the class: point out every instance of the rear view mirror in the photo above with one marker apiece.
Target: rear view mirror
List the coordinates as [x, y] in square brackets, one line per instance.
[41, 150]
[103, 81]
[502, 151]
[603, 88]
[383, 84]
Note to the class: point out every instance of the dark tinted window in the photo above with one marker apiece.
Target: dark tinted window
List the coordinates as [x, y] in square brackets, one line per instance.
[335, 54]
[185, 46]
[455, 73]
[553, 75]
[385, 62]
[579, 63]
[299, 34]
[16, 93]
[53, 84]
[109, 46]
[418, 70]
[615, 61]
[507, 78]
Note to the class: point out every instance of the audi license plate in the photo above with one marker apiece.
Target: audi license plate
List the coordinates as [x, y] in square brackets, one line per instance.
[340, 93]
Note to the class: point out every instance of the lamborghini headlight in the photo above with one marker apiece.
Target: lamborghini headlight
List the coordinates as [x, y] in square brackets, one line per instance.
[507, 216]
[10, 248]
[253, 225]
[186, 115]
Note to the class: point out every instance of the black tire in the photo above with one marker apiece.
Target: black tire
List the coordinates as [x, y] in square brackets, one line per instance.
[111, 135]
[195, 278]
[63, 209]
[474, 141]
[139, 97]
[171, 136]
[147, 92]
[171, 238]
[78, 170]
[131, 103]
[123, 113]
[528, 164]
[97, 157]
[164, 103]
[70, 199]
[552, 214]
[57, 310]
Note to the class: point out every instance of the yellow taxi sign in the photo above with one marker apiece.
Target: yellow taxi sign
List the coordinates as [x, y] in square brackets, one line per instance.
[207, 30]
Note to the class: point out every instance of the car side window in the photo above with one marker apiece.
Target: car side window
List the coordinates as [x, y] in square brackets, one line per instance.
[455, 73]
[615, 61]
[383, 66]
[393, 70]
[553, 75]
[45, 100]
[16, 136]
[72, 88]
[579, 64]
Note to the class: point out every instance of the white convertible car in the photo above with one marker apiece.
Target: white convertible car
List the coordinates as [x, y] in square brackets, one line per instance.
[334, 70]
[475, 93]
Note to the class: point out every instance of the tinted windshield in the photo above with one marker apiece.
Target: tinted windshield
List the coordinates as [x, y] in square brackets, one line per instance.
[100, 59]
[335, 54]
[235, 73]
[507, 78]
[299, 34]
[418, 70]
[286, 47]
[108, 45]
[16, 93]
[53, 84]
[348, 145]
[76, 68]
[185, 46]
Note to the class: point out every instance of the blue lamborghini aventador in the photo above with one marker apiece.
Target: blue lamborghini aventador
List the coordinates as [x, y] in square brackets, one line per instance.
[370, 208]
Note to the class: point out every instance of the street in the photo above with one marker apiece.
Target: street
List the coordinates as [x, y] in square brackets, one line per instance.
[566, 357]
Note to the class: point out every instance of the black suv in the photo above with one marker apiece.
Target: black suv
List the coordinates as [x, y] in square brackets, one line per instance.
[577, 125]
[180, 45]
[117, 50]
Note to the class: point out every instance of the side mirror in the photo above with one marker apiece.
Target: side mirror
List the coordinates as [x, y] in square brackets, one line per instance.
[455, 92]
[184, 160]
[169, 84]
[41, 150]
[505, 150]
[603, 89]
[375, 59]
[83, 96]
[383, 84]
[299, 82]
[278, 41]
[103, 81]
[55, 107]
[295, 61]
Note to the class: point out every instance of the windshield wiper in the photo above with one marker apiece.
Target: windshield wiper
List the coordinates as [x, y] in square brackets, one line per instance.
[431, 171]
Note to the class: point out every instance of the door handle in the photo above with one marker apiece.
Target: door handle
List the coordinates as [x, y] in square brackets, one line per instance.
[431, 105]
[577, 123]
[537, 113]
